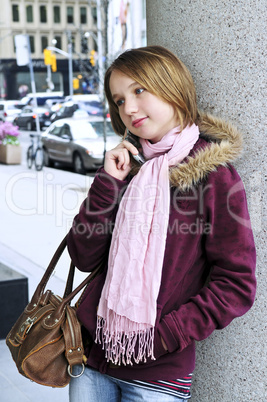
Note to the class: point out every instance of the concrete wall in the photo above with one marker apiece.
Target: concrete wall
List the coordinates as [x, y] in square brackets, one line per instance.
[223, 43]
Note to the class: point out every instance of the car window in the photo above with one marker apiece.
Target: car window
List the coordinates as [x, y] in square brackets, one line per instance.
[55, 130]
[65, 131]
[99, 128]
[83, 130]
[1, 107]
[12, 107]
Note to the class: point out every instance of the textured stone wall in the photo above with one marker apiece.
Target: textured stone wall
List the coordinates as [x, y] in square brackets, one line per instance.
[223, 43]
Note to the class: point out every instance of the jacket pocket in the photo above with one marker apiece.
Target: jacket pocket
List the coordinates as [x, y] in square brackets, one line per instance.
[159, 349]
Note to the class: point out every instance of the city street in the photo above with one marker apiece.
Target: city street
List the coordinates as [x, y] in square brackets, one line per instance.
[36, 211]
[37, 208]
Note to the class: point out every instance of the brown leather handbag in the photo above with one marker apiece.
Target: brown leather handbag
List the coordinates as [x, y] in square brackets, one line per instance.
[46, 340]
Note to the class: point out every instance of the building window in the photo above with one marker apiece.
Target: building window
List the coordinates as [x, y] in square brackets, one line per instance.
[44, 42]
[29, 13]
[59, 42]
[94, 14]
[32, 45]
[83, 15]
[43, 16]
[73, 43]
[56, 14]
[15, 13]
[70, 16]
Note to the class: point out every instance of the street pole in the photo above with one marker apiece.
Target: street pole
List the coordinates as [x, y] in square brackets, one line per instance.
[70, 68]
[100, 50]
[49, 79]
[33, 86]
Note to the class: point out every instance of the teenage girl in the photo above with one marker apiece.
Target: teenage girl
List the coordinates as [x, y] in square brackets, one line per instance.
[173, 236]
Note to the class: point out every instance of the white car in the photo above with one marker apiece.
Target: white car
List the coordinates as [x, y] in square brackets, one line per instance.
[9, 110]
[78, 143]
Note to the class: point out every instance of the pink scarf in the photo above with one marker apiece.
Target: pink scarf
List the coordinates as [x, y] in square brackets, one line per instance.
[128, 304]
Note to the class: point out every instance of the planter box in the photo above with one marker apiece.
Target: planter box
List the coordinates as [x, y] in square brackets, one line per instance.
[14, 297]
[10, 154]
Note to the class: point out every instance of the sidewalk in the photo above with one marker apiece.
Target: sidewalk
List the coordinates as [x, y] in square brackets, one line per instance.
[14, 387]
[28, 241]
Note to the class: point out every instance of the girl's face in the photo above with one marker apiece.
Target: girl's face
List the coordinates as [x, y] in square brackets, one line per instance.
[144, 114]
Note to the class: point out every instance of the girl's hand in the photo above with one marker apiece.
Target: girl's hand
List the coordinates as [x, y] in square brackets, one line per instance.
[117, 161]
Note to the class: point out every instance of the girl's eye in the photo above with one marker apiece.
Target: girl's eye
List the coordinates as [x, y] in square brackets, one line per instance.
[139, 90]
[119, 102]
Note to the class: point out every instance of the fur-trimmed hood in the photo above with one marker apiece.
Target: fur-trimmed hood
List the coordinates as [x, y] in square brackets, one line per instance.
[224, 145]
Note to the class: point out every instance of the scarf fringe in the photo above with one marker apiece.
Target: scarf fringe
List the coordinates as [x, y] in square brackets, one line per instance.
[121, 348]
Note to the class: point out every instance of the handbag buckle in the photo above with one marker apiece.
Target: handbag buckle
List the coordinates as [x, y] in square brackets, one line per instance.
[31, 322]
[78, 375]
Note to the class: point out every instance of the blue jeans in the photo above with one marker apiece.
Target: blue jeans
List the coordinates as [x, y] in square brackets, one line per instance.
[93, 386]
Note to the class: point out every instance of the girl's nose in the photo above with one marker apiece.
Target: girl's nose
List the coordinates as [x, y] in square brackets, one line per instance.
[130, 106]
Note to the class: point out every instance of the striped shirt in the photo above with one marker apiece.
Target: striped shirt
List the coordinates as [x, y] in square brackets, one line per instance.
[179, 388]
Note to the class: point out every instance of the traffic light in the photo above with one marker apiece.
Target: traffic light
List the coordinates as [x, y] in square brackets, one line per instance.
[76, 83]
[47, 57]
[53, 63]
[84, 45]
[92, 57]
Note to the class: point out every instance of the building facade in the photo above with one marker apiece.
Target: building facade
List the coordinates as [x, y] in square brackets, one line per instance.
[56, 23]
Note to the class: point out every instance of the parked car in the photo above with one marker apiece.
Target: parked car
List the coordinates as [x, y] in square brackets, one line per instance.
[84, 98]
[42, 97]
[27, 117]
[93, 108]
[9, 109]
[66, 110]
[78, 143]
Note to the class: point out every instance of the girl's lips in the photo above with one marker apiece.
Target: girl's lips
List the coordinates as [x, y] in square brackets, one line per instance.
[138, 122]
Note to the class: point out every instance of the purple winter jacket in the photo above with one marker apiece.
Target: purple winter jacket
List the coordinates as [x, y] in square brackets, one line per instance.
[208, 275]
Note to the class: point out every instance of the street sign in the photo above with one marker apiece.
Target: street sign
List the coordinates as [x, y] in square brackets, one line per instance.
[22, 50]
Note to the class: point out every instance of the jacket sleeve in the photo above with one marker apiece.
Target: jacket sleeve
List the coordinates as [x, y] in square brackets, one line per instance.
[230, 254]
[89, 238]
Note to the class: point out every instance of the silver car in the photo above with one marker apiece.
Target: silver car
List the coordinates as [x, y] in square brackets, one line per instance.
[78, 143]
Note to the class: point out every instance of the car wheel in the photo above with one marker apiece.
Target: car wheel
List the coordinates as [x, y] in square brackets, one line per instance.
[78, 164]
[47, 160]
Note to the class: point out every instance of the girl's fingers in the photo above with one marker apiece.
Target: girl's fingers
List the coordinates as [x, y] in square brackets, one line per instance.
[130, 147]
[117, 160]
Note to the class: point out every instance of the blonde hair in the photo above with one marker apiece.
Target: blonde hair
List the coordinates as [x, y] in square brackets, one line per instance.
[161, 73]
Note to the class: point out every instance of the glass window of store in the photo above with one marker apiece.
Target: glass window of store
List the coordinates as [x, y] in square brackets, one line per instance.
[23, 78]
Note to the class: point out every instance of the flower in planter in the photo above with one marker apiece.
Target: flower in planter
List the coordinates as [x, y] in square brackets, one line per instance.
[9, 133]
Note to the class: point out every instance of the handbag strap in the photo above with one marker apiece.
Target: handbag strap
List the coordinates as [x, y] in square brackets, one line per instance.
[51, 267]
[70, 279]
[69, 294]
